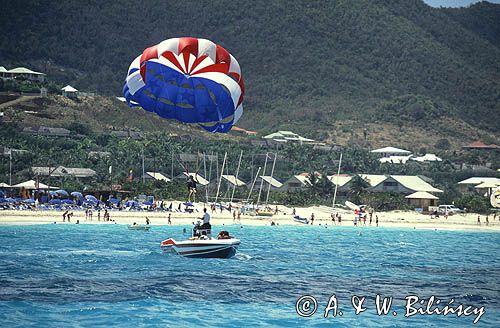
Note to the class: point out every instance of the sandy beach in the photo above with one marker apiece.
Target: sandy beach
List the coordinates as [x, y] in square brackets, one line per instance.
[393, 219]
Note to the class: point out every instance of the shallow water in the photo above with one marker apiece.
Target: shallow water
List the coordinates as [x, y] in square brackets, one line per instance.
[106, 275]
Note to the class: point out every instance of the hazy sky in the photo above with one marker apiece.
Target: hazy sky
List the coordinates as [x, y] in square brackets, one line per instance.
[454, 3]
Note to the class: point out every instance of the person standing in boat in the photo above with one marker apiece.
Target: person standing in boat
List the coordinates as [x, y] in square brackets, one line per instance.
[206, 220]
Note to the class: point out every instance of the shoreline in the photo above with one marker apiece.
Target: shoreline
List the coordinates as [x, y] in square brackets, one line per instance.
[393, 219]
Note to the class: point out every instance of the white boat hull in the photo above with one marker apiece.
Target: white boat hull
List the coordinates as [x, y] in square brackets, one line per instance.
[210, 248]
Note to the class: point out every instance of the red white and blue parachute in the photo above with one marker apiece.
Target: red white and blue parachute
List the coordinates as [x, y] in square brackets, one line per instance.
[188, 79]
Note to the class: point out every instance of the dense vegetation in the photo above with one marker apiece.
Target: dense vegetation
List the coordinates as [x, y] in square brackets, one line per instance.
[307, 64]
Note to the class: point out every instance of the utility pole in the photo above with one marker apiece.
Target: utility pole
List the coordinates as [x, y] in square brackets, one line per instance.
[272, 171]
[262, 180]
[337, 182]
[236, 180]
[220, 180]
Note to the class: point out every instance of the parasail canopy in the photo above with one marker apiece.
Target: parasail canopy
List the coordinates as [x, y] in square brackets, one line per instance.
[188, 79]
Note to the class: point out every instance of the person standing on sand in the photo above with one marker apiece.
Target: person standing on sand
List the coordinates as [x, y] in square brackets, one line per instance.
[147, 221]
[487, 220]
[293, 211]
[90, 214]
[376, 219]
[333, 218]
[478, 220]
[312, 218]
[99, 215]
[234, 216]
[340, 219]
[169, 219]
[64, 216]
[239, 217]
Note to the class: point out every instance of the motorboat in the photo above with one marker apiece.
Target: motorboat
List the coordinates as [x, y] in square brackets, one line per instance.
[139, 227]
[202, 245]
[299, 219]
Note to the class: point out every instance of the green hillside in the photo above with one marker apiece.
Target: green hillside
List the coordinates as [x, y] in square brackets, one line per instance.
[308, 65]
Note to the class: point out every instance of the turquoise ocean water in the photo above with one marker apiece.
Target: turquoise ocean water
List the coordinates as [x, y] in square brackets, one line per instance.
[105, 275]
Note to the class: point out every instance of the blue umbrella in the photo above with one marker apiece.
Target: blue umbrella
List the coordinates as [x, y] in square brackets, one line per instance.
[62, 192]
[131, 203]
[90, 197]
[147, 203]
[55, 201]
[29, 201]
[188, 204]
[9, 200]
[53, 193]
[77, 194]
[2, 194]
[18, 199]
[114, 200]
[67, 201]
[3, 200]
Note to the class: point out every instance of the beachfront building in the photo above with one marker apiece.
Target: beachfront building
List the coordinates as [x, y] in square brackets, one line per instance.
[287, 137]
[21, 72]
[156, 176]
[296, 182]
[470, 184]
[342, 182]
[70, 92]
[421, 200]
[427, 158]
[391, 151]
[393, 155]
[61, 171]
[233, 181]
[405, 184]
[268, 180]
[198, 177]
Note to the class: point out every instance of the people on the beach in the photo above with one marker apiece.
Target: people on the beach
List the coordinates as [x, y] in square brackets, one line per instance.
[487, 220]
[68, 216]
[106, 216]
[64, 216]
[98, 215]
[147, 221]
[312, 218]
[169, 219]
[376, 220]
[479, 220]
[239, 216]
[234, 216]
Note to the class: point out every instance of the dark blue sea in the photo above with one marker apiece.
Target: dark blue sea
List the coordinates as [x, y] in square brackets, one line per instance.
[107, 276]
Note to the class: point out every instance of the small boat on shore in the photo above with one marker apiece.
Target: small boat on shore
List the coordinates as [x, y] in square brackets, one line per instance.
[139, 227]
[264, 213]
[299, 219]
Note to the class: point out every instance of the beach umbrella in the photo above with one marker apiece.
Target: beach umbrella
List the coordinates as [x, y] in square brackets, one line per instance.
[91, 198]
[114, 200]
[131, 203]
[29, 201]
[188, 204]
[3, 200]
[55, 201]
[2, 194]
[77, 194]
[62, 192]
[147, 203]
[9, 200]
[18, 199]
[67, 201]
[53, 193]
